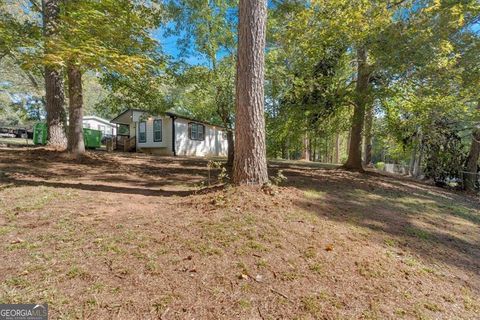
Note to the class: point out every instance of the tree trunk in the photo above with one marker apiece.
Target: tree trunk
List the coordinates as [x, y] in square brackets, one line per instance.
[284, 150]
[348, 142]
[471, 166]
[354, 161]
[326, 149]
[413, 160]
[306, 148]
[368, 136]
[54, 92]
[230, 147]
[250, 163]
[337, 148]
[75, 98]
[417, 168]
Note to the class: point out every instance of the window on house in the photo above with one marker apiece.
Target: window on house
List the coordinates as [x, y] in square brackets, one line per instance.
[196, 131]
[101, 128]
[157, 130]
[142, 132]
[86, 125]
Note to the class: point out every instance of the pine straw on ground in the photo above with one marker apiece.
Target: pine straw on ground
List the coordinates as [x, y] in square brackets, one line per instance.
[118, 236]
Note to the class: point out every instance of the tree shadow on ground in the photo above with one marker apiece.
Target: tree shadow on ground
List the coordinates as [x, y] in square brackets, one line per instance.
[95, 171]
[418, 216]
[102, 188]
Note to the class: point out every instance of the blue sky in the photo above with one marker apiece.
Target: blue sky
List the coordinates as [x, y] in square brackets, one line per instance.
[170, 47]
[476, 28]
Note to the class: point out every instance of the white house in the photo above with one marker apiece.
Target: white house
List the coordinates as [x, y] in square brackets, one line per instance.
[170, 134]
[97, 123]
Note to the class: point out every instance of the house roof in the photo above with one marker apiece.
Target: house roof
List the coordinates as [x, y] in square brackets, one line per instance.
[168, 113]
[117, 118]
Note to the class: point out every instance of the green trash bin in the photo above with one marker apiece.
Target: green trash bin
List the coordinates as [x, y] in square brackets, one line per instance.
[92, 138]
[40, 134]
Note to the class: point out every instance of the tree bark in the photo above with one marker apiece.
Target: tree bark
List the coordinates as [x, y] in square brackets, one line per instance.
[230, 148]
[250, 163]
[368, 136]
[284, 150]
[354, 161]
[348, 142]
[306, 148]
[54, 89]
[337, 148]
[417, 168]
[471, 166]
[413, 160]
[76, 144]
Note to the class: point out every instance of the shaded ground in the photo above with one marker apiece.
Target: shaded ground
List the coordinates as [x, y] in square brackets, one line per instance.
[5, 142]
[130, 236]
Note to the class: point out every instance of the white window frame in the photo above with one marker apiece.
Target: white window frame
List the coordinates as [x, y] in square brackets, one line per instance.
[160, 131]
[194, 131]
[140, 140]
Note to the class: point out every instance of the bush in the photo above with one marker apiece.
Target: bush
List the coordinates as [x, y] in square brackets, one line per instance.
[445, 152]
[380, 165]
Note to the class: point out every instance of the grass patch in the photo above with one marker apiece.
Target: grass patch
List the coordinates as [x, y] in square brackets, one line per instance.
[315, 194]
[161, 303]
[76, 272]
[316, 268]
[432, 307]
[418, 233]
[390, 242]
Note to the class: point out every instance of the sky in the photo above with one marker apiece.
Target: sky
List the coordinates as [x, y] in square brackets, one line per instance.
[170, 47]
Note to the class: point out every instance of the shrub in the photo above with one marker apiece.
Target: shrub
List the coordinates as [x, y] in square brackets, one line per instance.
[380, 165]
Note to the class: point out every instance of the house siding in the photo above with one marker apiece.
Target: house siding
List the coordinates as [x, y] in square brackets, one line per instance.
[94, 124]
[161, 147]
[213, 145]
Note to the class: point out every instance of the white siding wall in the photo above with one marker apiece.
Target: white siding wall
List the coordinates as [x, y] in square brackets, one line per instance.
[94, 124]
[166, 142]
[213, 145]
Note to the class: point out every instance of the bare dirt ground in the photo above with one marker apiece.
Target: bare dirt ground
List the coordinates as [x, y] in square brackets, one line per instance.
[131, 236]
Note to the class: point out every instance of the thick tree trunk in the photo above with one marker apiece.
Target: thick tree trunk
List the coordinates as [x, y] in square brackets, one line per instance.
[250, 163]
[230, 147]
[368, 136]
[354, 161]
[75, 98]
[54, 92]
[471, 166]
